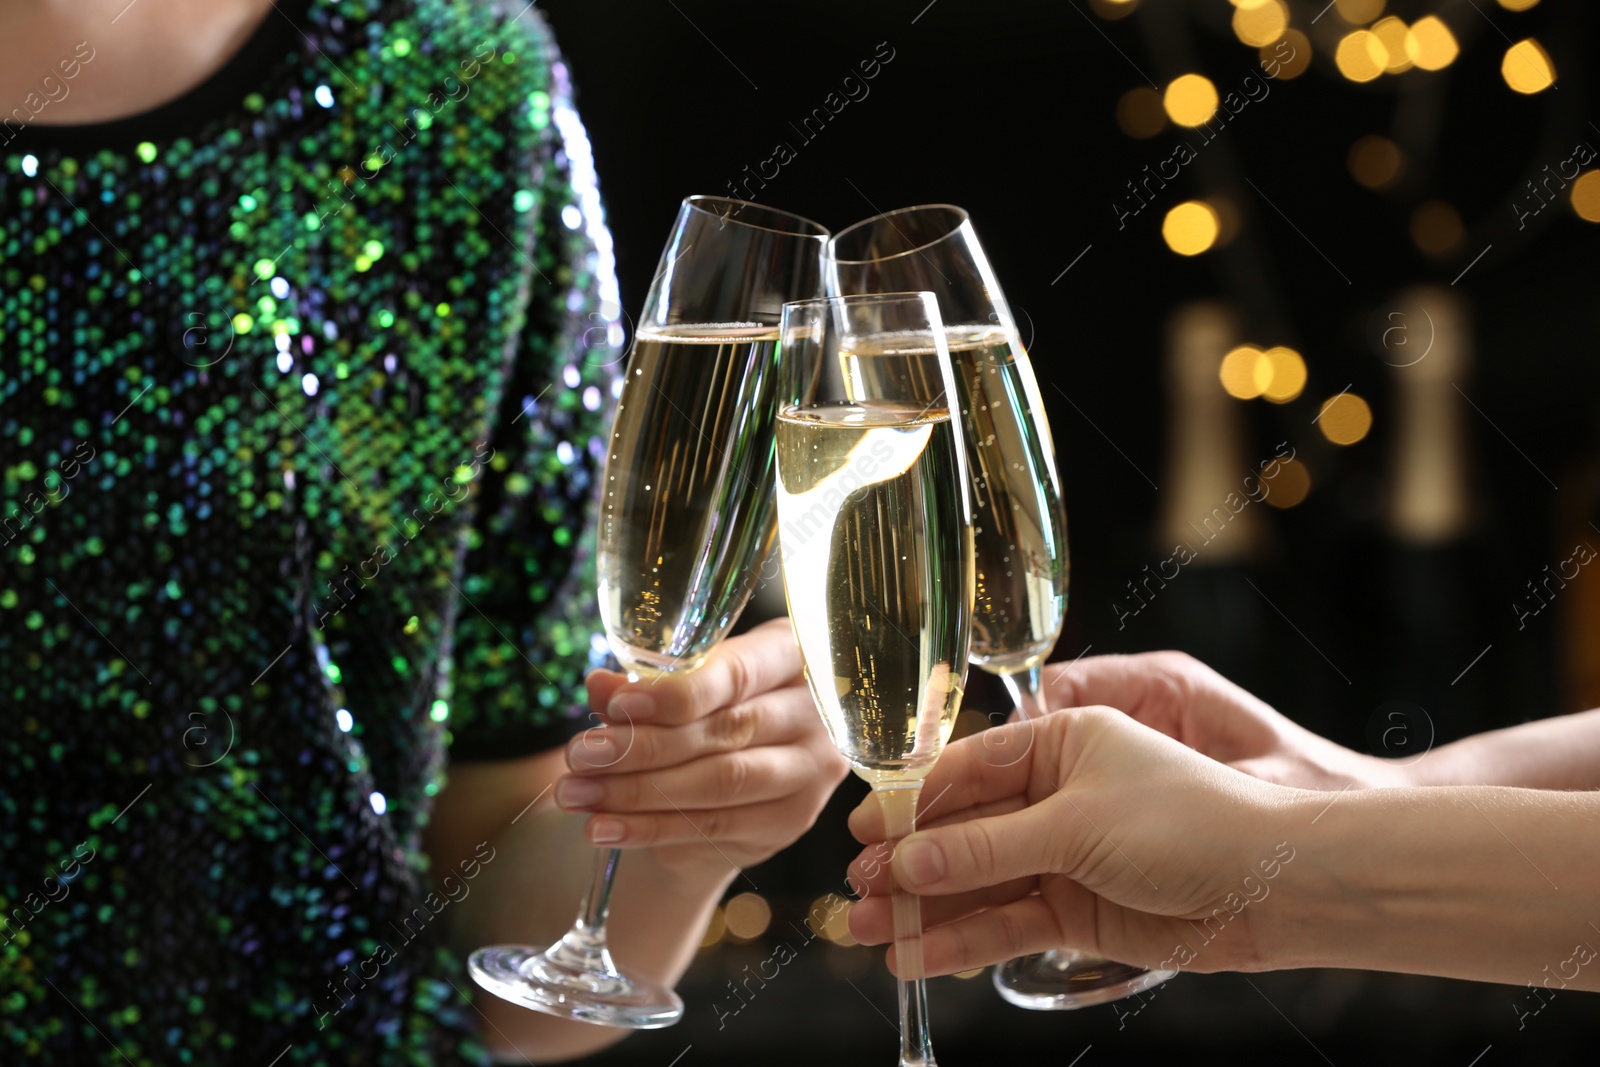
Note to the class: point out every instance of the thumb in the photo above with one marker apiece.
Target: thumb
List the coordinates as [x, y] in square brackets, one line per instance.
[982, 852]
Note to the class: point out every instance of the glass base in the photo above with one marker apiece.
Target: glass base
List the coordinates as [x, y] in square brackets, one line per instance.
[1061, 981]
[601, 995]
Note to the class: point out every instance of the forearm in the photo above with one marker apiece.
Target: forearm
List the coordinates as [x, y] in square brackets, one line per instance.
[1557, 753]
[530, 894]
[1484, 883]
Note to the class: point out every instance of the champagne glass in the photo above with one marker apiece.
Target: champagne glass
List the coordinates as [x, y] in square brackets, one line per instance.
[686, 516]
[1019, 525]
[875, 535]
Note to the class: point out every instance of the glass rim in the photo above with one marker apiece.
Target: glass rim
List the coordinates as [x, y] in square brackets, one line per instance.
[922, 296]
[961, 215]
[699, 201]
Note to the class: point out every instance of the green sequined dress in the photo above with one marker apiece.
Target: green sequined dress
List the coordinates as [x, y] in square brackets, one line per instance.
[300, 416]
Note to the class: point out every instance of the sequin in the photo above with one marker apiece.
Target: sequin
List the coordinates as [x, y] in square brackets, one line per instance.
[278, 532]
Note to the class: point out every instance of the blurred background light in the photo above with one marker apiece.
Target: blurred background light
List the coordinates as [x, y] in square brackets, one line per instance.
[1436, 228]
[1288, 374]
[1376, 162]
[1430, 44]
[1140, 114]
[1191, 228]
[1360, 56]
[748, 915]
[1345, 419]
[1190, 99]
[1527, 68]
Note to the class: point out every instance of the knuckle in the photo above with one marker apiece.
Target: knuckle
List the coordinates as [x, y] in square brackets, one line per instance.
[1010, 932]
[739, 675]
[732, 778]
[732, 728]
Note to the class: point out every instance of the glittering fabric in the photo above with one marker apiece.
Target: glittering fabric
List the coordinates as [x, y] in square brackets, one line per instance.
[299, 420]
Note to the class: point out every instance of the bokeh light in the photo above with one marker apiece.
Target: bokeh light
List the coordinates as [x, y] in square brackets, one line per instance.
[1391, 33]
[1527, 67]
[1190, 99]
[834, 912]
[1298, 59]
[1360, 56]
[1376, 162]
[1140, 114]
[1191, 228]
[1113, 9]
[715, 929]
[1586, 196]
[1290, 485]
[1288, 374]
[1245, 372]
[1359, 12]
[1517, 5]
[1260, 22]
[1430, 44]
[748, 916]
[1345, 419]
[1436, 228]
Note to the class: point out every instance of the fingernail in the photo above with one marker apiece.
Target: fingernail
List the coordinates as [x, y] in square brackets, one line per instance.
[631, 707]
[606, 831]
[591, 749]
[922, 862]
[575, 794]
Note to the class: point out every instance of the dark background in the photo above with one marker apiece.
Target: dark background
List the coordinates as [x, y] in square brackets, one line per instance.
[1008, 109]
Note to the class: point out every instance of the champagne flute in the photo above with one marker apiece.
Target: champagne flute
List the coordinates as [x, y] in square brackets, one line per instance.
[875, 535]
[1019, 525]
[686, 516]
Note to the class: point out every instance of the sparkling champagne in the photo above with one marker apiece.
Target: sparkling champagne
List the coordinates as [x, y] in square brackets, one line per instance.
[686, 503]
[878, 567]
[1019, 525]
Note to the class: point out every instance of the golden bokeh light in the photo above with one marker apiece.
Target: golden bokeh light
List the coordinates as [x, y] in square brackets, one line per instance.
[1287, 374]
[1245, 372]
[1288, 65]
[1430, 44]
[1391, 33]
[1190, 228]
[1290, 485]
[1527, 67]
[1359, 12]
[833, 911]
[1113, 9]
[1260, 23]
[1436, 228]
[1586, 196]
[970, 974]
[714, 929]
[1376, 162]
[1140, 114]
[1345, 419]
[1190, 99]
[747, 916]
[1360, 56]
[1517, 5]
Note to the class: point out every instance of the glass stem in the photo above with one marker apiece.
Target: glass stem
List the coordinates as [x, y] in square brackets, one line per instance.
[899, 804]
[584, 946]
[1027, 691]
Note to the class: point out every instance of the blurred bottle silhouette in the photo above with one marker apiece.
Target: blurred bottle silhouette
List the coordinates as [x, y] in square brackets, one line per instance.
[1432, 586]
[1210, 529]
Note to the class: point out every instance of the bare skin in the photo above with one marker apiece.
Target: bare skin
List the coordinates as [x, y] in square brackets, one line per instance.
[1139, 836]
[155, 51]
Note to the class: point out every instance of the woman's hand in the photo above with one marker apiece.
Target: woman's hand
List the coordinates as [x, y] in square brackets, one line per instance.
[1186, 700]
[1101, 835]
[725, 765]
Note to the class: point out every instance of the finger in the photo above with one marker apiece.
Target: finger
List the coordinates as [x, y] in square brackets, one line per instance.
[1145, 686]
[736, 670]
[1020, 928]
[979, 852]
[729, 779]
[967, 774]
[779, 717]
[777, 822]
[868, 873]
[872, 919]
